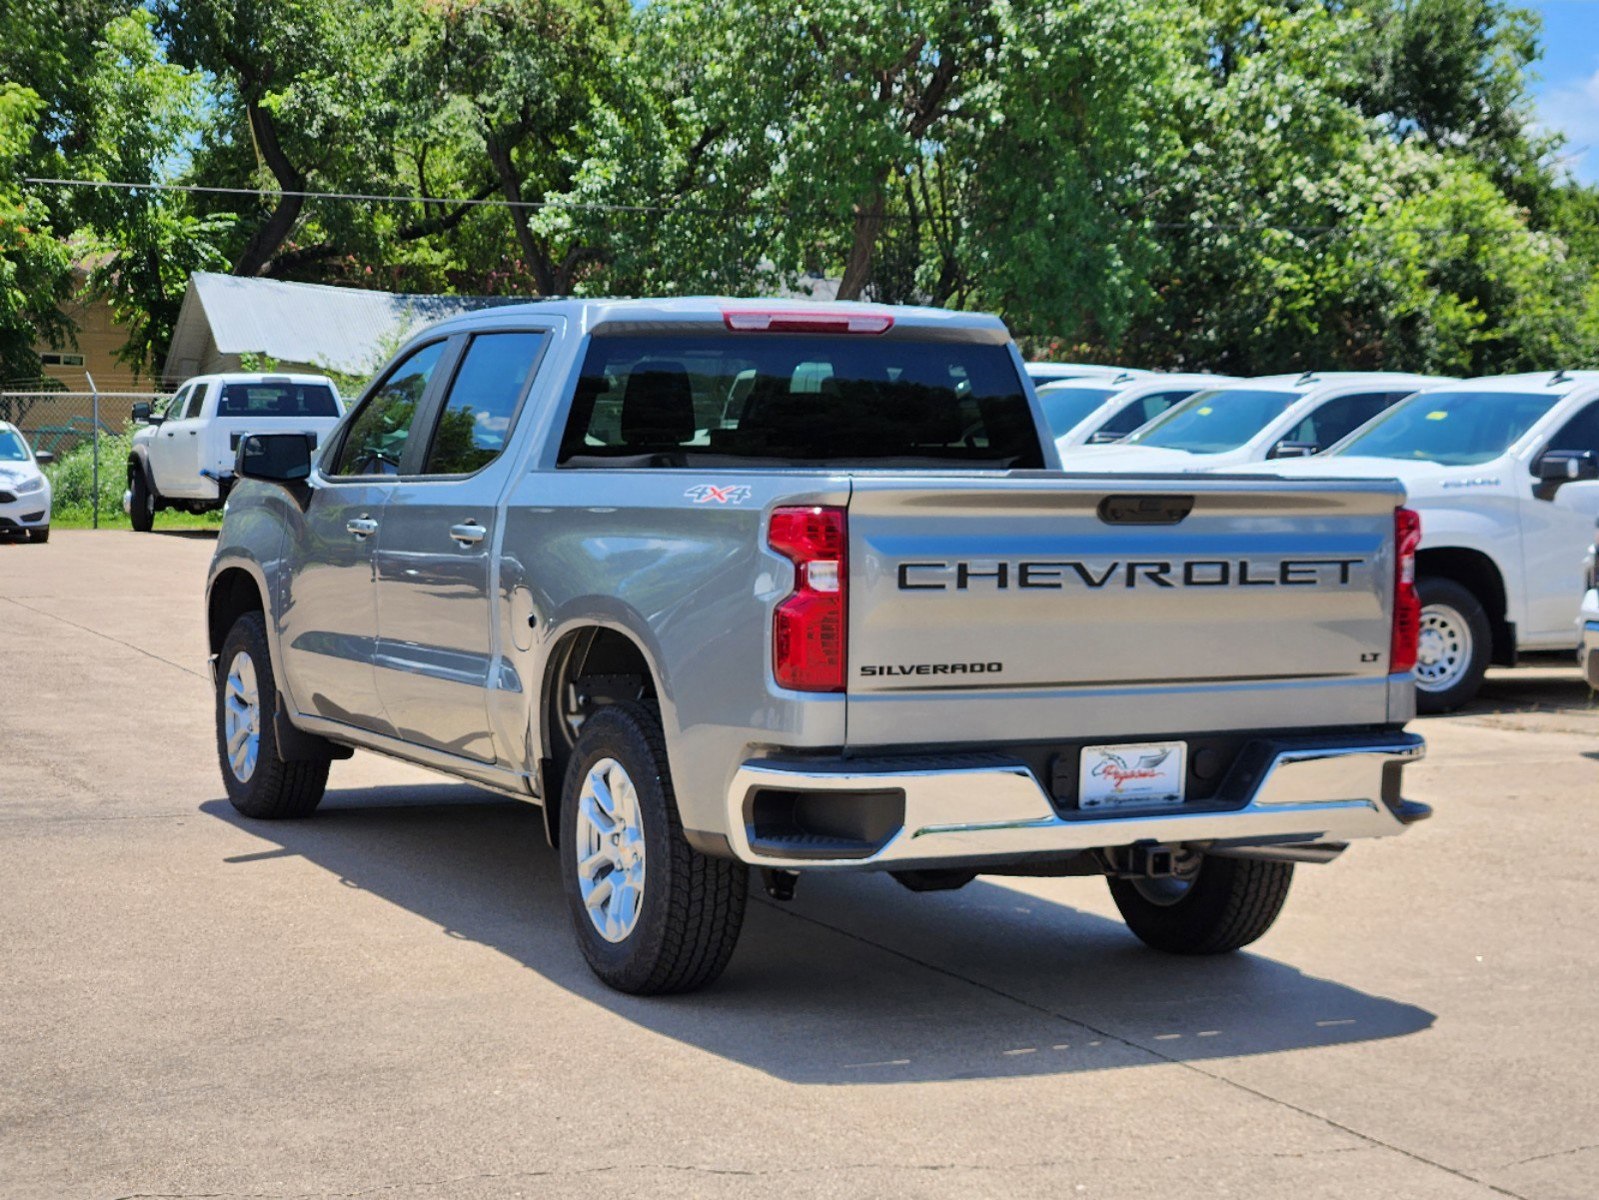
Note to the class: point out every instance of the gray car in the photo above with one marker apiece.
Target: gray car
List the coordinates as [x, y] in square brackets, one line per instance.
[721, 584]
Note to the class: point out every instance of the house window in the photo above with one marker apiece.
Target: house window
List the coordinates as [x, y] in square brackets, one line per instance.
[61, 360]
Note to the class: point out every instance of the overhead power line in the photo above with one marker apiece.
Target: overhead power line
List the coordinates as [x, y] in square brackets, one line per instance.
[1194, 226]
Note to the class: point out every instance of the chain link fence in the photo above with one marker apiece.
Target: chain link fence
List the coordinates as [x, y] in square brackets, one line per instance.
[88, 434]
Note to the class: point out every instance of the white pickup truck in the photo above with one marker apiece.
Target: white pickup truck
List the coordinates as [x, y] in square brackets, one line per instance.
[183, 456]
[1505, 474]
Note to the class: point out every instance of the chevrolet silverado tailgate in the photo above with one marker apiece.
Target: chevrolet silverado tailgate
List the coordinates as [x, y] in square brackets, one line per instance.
[1051, 606]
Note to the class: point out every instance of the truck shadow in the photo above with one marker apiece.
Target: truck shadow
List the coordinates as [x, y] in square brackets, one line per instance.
[858, 980]
[1555, 685]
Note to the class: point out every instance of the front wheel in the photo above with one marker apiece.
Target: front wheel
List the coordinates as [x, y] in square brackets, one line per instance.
[1455, 645]
[41, 534]
[1222, 905]
[652, 914]
[141, 502]
[259, 783]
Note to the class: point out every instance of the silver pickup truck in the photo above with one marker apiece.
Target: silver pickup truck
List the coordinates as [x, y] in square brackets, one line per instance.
[725, 585]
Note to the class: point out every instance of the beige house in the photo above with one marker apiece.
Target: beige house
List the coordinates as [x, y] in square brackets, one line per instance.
[99, 337]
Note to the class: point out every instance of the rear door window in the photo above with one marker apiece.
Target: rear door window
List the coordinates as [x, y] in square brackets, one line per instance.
[675, 400]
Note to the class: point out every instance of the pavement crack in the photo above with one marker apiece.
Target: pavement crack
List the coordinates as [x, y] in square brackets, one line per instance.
[106, 636]
[1521, 1162]
[1153, 1051]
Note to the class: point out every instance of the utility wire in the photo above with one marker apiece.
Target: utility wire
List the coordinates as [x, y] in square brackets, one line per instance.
[1200, 226]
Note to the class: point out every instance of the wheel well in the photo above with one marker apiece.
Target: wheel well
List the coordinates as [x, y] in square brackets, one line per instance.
[590, 668]
[232, 595]
[1475, 572]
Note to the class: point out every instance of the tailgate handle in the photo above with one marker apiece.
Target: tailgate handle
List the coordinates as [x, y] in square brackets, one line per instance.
[1145, 510]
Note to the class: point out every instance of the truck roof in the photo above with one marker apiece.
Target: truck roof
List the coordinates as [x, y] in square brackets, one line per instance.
[257, 377]
[588, 315]
[1309, 381]
[1556, 383]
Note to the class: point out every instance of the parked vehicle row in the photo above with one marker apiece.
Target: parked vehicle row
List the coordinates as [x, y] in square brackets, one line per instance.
[1503, 470]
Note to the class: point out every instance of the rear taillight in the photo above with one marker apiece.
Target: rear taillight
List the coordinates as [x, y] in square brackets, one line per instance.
[1407, 605]
[761, 321]
[808, 627]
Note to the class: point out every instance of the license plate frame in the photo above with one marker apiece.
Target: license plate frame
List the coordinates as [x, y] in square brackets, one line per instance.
[1133, 775]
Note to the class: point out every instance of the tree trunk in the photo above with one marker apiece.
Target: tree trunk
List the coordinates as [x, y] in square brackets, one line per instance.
[270, 236]
[533, 253]
[858, 267]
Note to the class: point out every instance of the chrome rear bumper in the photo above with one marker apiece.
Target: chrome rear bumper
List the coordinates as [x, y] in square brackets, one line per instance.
[985, 809]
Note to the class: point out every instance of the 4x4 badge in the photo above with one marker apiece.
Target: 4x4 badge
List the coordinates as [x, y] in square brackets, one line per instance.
[709, 493]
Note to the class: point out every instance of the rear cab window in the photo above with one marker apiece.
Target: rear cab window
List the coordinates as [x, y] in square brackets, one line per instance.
[277, 399]
[797, 400]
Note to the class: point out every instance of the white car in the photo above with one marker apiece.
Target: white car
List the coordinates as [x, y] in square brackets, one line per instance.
[1505, 474]
[1273, 416]
[183, 457]
[1050, 372]
[24, 491]
[1096, 411]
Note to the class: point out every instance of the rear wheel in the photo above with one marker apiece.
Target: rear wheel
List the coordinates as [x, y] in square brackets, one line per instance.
[1455, 645]
[141, 502]
[652, 914]
[1220, 906]
[259, 783]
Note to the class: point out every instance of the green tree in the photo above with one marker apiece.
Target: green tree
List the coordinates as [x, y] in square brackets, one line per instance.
[144, 113]
[35, 269]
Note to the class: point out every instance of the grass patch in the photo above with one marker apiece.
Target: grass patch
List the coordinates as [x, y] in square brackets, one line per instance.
[82, 517]
[72, 482]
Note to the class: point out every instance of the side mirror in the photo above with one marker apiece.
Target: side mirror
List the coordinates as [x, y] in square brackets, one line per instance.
[1286, 449]
[43, 457]
[1566, 466]
[1102, 438]
[283, 458]
[141, 411]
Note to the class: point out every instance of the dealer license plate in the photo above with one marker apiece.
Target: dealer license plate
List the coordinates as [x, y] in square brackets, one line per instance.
[1149, 775]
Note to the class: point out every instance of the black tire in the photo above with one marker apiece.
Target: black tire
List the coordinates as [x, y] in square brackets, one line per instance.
[690, 908]
[141, 501]
[41, 534]
[1446, 594]
[274, 789]
[1230, 903]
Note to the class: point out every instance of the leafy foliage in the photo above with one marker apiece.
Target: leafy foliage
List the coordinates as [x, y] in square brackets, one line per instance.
[1212, 184]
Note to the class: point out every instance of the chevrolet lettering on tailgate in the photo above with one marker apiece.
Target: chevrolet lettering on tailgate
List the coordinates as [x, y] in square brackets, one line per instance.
[1062, 573]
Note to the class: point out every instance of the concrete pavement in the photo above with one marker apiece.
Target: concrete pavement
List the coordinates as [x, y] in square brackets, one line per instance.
[385, 1000]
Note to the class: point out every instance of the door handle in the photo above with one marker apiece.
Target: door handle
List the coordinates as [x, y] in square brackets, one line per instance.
[469, 533]
[362, 527]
